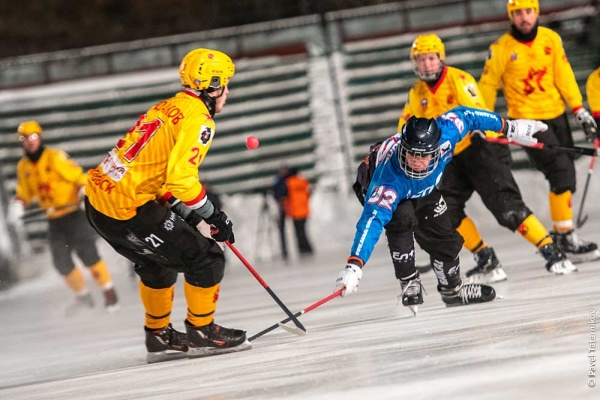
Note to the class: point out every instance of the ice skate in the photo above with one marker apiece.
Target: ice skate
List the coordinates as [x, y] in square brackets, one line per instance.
[577, 250]
[412, 295]
[466, 293]
[165, 344]
[80, 304]
[488, 268]
[556, 261]
[214, 339]
[111, 302]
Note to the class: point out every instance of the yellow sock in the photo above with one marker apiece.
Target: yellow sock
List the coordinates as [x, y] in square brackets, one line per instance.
[202, 303]
[473, 240]
[75, 281]
[535, 233]
[158, 304]
[101, 275]
[561, 211]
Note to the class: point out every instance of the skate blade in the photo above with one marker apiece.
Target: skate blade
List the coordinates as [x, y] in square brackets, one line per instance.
[414, 309]
[497, 275]
[197, 352]
[292, 329]
[583, 258]
[166, 355]
[113, 308]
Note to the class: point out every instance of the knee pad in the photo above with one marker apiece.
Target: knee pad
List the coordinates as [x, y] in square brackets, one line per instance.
[156, 277]
[207, 276]
[513, 219]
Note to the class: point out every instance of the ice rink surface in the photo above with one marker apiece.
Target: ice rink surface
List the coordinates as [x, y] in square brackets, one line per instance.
[531, 344]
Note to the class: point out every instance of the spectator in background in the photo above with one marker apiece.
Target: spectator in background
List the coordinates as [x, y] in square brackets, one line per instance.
[297, 206]
[50, 177]
[280, 193]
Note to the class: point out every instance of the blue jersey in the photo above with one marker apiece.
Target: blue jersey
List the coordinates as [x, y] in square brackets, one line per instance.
[390, 185]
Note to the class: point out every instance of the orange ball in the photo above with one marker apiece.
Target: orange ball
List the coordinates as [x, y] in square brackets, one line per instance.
[252, 142]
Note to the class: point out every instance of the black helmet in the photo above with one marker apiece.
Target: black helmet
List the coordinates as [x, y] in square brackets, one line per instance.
[420, 138]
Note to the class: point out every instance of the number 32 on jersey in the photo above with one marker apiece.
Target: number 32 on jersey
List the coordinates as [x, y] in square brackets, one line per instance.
[383, 197]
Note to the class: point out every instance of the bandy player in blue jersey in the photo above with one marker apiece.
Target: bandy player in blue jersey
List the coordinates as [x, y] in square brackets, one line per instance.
[396, 184]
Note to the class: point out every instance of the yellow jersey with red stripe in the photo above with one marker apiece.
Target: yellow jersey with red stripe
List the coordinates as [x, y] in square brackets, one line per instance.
[592, 88]
[536, 77]
[454, 88]
[53, 181]
[163, 150]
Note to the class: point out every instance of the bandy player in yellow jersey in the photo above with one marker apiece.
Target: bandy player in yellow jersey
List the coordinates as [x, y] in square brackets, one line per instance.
[531, 65]
[477, 166]
[52, 179]
[592, 88]
[161, 154]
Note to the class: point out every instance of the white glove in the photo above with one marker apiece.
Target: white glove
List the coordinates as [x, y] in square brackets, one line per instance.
[586, 121]
[348, 279]
[15, 213]
[522, 130]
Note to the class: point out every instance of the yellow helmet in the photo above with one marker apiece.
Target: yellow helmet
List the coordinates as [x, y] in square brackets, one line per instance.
[29, 128]
[424, 44]
[513, 5]
[430, 43]
[203, 69]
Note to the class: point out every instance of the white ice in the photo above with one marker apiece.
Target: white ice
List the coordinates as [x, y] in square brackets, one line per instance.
[532, 344]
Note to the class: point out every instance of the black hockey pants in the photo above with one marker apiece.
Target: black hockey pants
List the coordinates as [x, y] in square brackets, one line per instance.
[428, 222]
[484, 168]
[161, 244]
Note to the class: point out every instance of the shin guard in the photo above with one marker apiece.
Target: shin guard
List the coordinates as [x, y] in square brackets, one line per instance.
[201, 302]
[158, 304]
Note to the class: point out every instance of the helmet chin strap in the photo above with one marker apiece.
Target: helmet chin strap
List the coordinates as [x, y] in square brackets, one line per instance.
[209, 101]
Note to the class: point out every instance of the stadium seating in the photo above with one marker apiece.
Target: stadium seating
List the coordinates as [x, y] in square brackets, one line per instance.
[273, 98]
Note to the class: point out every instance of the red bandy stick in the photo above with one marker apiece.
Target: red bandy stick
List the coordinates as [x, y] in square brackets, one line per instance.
[299, 313]
[301, 330]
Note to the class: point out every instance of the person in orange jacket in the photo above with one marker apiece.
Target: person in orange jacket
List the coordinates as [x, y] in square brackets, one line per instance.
[297, 207]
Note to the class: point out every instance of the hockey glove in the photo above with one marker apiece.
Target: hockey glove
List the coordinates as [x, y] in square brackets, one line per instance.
[223, 226]
[348, 279]
[586, 121]
[522, 130]
[192, 217]
[15, 213]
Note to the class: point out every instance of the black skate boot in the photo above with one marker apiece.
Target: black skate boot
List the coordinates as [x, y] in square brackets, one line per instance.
[111, 302]
[412, 294]
[469, 293]
[81, 303]
[556, 261]
[214, 339]
[488, 268]
[165, 344]
[577, 250]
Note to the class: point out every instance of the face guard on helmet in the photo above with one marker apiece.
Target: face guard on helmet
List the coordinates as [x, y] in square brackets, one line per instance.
[425, 44]
[28, 129]
[420, 140]
[513, 5]
[206, 71]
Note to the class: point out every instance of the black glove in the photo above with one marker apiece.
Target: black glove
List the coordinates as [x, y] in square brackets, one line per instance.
[223, 225]
[187, 214]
